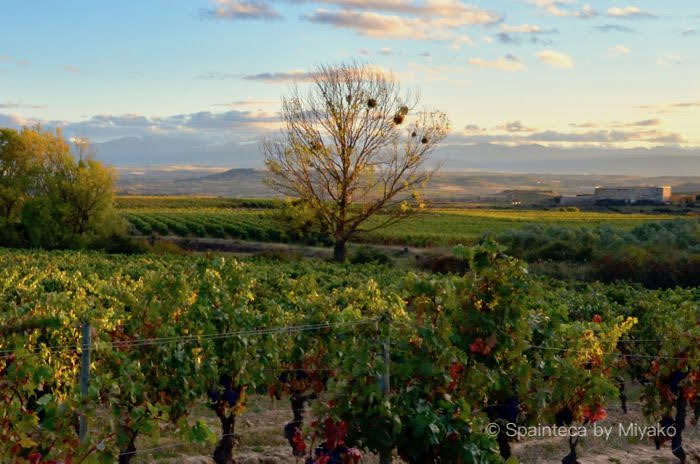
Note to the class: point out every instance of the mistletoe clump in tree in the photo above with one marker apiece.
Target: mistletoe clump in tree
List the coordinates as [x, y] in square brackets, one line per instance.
[353, 148]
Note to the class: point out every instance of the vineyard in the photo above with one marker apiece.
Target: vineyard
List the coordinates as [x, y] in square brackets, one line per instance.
[390, 362]
[258, 220]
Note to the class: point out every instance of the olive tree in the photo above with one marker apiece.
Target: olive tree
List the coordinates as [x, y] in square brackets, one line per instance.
[353, 147]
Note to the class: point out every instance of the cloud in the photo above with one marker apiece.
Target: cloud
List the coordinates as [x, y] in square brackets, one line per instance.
[19, 105]
[619, 50]
[668, 60]
[686, 105]
[203, 124]
[596, 137]
[379, 25]
[241, 10]
[71, 69]
[628, 12]
[15, 121]
[459, 12]
[608, 28]
[513, 34]
[439, 20]
[584, 125]
[247, 103]
[19, 62]
[688, 31]
[217, 75]
[671, 107]
[555, 59]
[276, 77]
[514, 126]
[508, 63]
[643, 131]
[644, 123]
[562, 8]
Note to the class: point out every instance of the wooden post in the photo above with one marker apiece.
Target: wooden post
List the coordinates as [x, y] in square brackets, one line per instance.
[84, 378]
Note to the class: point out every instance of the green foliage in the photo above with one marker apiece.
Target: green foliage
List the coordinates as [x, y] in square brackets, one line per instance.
[191, 201]
[367, 255]
[302, 223]
[49, 198]
[656, 254]
[172, 332]
[278, 222]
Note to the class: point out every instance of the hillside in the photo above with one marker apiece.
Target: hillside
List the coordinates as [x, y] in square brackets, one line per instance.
[248, 182]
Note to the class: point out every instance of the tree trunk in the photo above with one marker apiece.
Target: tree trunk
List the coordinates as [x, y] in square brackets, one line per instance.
[223, 453]
[503, 444]
[297, 401]
[130, 451]
[339, 251]
[385, 456]
[623, 395]
[679, 424]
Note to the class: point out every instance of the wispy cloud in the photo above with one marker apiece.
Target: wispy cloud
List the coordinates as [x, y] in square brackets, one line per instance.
[668, 60]
[19, 105]
[241, 10]
[508, 63]
[217, 75]
[608, 28]
[672, 107]
[439, 20]
[277, 77]
[247, 103]
[623, 133]
[564, 8]
[71, 69]
[514, 34]
[108, 126]
[514, 126]
[628, 12]
[619, 50]
[555, 59]
[688, 31]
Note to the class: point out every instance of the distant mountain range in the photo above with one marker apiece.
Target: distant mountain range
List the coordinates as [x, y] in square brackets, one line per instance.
[661, 161]
[248, 182]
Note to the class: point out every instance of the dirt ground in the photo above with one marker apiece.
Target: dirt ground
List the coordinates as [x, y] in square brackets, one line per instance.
[261, 442]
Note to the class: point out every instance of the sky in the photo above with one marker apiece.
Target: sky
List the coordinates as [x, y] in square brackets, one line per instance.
[601, 74]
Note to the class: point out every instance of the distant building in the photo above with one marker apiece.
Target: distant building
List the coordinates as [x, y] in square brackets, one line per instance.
[632, 195]
[577, 200]
[620, 195]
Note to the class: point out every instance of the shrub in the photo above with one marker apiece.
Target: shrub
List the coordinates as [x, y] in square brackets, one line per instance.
[443, 264]
[367, 255]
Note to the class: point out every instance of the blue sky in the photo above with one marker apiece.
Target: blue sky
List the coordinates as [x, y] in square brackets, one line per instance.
[559, 72]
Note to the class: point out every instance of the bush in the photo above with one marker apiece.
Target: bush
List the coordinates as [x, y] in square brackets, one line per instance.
[370, 255]
[443, 264]
[656, 254]
[121, 244]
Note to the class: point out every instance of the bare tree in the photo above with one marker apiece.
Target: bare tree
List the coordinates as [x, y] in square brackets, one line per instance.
[354, 147]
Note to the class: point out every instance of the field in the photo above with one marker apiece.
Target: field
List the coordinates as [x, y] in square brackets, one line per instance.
[568, 318]
[256, 220]
[167, 330]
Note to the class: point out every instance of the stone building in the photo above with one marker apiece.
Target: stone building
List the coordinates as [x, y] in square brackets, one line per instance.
[632, 195]
[620, 195]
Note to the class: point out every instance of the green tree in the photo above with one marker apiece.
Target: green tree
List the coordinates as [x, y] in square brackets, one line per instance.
[49, 197]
